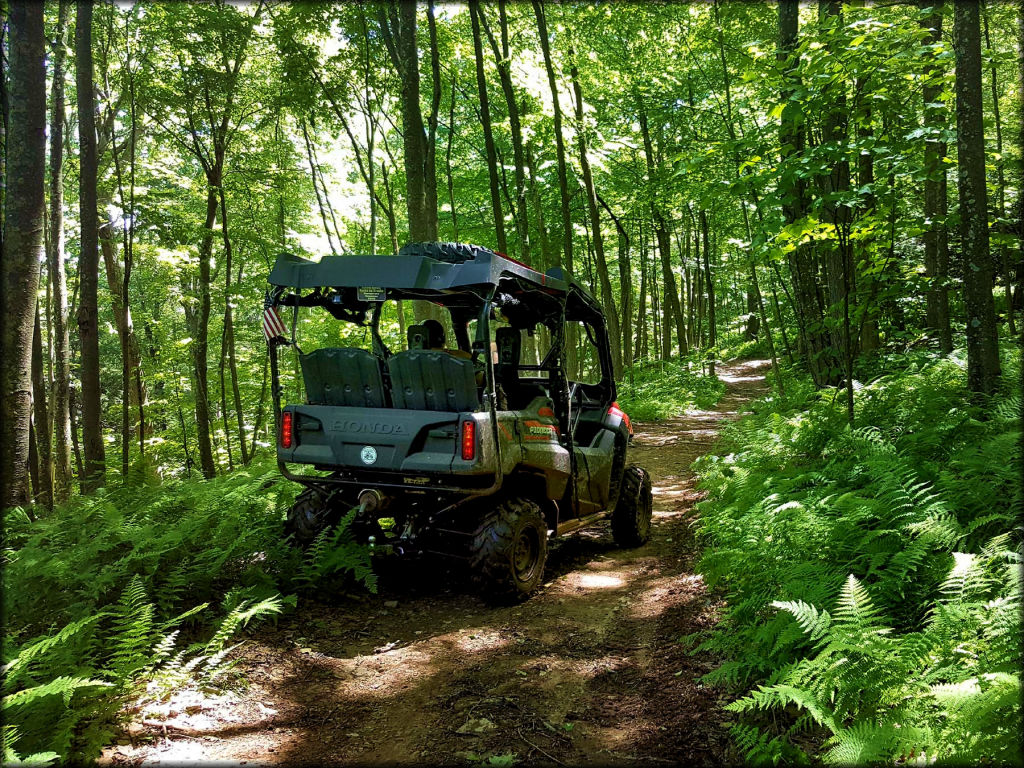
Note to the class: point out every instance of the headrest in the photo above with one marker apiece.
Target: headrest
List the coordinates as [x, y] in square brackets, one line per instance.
[509, 342]
[418, 337]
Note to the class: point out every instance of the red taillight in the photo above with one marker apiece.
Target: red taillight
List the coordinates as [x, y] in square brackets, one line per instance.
[468, 440]
[286, 429]
[616, 411]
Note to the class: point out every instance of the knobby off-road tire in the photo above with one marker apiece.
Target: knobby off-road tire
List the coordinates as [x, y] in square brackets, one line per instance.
[307, 517]
[509, 551]
[631, 519]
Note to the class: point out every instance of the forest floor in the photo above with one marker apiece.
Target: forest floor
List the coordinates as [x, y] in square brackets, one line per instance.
[587, 672]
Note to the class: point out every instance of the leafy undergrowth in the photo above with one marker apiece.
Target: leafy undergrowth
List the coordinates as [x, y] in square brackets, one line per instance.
[100, 594]
[872, 574]
[663, 389]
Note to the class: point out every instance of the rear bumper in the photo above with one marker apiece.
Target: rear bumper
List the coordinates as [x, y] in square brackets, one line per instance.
[389, 447]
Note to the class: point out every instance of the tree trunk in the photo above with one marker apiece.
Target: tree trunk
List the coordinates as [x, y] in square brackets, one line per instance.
[4, 111]
[229, 328]
[43, 485]
[260, 405]
[1001, 212]
[563, 173]
[503, 60]
[88, 264]
[448, 165]
[672, 309]
[546, 262]
[1018, 292]
[640, 350]
[607, 298]
[430, 147]
[485, 119]
[710, 283]
[398, 27]
[838, 216]
[792, 190]
[198, 319]
[61, 409]
[754, 298]
[982, 343]
[563, 176]
[936, 238]
[314, 177]
[222, 378]
[131, 355]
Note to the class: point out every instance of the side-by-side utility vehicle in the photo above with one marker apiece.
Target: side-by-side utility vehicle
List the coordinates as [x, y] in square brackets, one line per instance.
[480, 450]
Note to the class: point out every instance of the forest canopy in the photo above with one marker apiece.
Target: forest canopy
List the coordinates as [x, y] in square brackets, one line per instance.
[836, 186]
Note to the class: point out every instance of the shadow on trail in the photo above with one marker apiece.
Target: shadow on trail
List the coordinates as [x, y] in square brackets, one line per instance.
[587, 672]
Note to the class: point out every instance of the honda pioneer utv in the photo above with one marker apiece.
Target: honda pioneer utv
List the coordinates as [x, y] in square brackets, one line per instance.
[481, 451]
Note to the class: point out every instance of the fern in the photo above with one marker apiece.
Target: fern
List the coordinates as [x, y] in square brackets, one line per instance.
[871, 580]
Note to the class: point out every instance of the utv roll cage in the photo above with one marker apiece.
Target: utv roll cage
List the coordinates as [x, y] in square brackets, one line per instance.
[470, 282]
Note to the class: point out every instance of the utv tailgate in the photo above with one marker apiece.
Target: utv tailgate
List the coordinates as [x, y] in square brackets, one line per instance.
[379, 439]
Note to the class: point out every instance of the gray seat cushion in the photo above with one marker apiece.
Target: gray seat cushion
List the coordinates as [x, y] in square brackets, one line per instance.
[430, 380]
[343, 376]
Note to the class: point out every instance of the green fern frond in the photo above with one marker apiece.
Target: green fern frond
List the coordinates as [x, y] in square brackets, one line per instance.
[812, 621]
[64, 687]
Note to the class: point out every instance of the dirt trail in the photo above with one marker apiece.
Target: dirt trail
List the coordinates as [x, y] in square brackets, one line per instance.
[587, 672]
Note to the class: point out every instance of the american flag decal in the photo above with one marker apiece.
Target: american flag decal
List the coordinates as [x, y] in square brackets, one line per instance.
[273, 326]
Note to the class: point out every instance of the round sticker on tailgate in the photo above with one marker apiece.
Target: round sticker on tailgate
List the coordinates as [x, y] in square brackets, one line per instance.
[368, 454]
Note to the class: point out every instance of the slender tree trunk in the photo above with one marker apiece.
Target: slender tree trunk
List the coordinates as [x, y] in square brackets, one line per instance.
[982, 342]
[4, 112]
[780, 323]
[607, 297]
[430, 160]
[802, 261]
[448, 164]
[710, 283]
[936, 238]
[1001, 212]
[563, 175]
[656, 340]
[221, 365]
[640, 351]
[61, 408]
[43, 484]
[198, 318]
[1018, 292]
[672, 309]
[546, 262]
[485, 118]
[133, 399]
[88, 321]
[867, 339]
[229, 327]
[837, 215]
[398, 26]
[73, 410]
[260, 406]
[314, 174]
[503, 60]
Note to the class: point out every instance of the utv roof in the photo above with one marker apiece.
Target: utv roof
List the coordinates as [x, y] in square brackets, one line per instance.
[428, 271]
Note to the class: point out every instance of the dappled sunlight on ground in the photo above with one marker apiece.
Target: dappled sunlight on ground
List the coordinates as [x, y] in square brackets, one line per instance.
[662, 594]
[588, 671]
[594, 580]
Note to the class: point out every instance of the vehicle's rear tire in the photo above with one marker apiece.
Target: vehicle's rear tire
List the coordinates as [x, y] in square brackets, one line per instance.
[631, 519]
[509, 551]
[306, 518]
